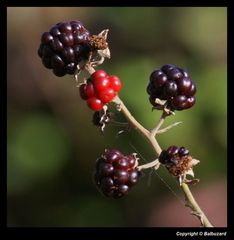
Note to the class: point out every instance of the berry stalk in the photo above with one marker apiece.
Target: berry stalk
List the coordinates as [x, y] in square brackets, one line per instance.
[150, 135]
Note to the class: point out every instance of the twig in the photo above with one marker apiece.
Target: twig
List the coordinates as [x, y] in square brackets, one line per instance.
[150, 135]
[163, 130]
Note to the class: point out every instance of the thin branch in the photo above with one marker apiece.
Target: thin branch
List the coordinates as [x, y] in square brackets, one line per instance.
[191, 202]
[148, 165]
[163, 130]
[150, 135]
[154, 131]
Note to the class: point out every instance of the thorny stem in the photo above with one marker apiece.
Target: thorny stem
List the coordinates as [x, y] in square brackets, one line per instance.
[150, 135]
[191, 202]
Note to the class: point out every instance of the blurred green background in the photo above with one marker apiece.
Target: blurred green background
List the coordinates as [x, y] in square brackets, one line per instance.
[52, 143]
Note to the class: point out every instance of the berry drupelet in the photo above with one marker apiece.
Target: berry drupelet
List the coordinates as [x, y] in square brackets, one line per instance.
[64, 46]
[115, 173]
[174, 85]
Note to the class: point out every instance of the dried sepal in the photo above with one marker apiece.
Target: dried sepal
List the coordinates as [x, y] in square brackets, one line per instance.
[183, 167]
[162, 105]
[102, 118]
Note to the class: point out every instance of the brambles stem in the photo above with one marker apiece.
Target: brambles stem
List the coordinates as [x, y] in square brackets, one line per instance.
[191, 202]
[150, 135]
[163, 130]
[148, 165]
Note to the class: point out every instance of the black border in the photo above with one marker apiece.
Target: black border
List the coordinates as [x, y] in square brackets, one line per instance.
[157, 233]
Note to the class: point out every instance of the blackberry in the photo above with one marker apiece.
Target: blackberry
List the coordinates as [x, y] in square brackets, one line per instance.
[173, 84]
[116, 173]
[64, 46]
[177, 160]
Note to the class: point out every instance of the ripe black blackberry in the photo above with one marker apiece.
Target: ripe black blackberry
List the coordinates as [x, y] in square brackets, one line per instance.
[173, 84]
[64, 46]
[176, 159]
[115, 173]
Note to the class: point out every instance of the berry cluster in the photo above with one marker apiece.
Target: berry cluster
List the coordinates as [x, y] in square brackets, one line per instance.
[176, 159]
[115, 173]
[64, 46]
[173, 84]
[100, 89]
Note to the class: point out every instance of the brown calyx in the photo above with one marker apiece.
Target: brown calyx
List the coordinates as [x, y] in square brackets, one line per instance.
[183, 165]
[97, 42]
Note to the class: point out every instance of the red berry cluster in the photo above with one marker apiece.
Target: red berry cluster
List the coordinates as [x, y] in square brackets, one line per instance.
[174, 85]
[100, 89]
[64, 46]
[115, 173]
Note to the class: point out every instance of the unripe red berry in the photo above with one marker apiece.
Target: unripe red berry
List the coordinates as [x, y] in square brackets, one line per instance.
[98, 73]
[115, 83]
[101, 83]
[95, 104]
[107, 95]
